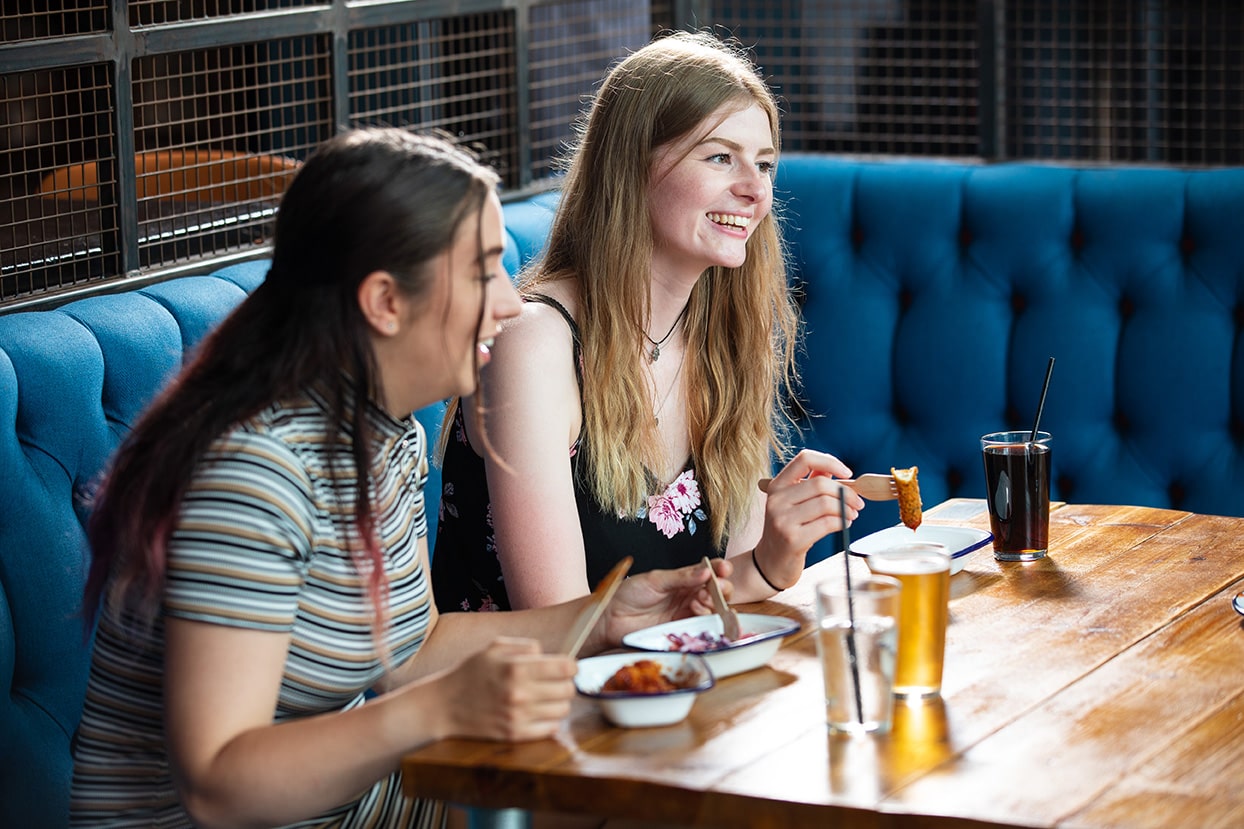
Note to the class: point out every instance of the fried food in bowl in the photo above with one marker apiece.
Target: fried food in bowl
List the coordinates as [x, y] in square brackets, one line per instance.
[637, 690]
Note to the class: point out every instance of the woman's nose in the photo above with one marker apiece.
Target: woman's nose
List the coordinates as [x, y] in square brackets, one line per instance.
[506, 303]
[752, 183]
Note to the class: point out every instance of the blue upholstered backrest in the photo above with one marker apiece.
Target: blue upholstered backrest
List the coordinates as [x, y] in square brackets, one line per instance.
[936, 292]
[72, 382]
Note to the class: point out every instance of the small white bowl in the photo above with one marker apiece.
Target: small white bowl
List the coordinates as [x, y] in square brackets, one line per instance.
[958, 541]
[639, 710]
[762, 635]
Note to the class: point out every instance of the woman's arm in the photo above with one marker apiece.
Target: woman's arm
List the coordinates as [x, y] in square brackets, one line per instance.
[234, 767]
[227, 643]
[802, 506]
[641, 601]
[533, 416]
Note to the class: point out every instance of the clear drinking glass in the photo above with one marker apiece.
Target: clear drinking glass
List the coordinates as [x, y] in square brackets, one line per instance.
[923, 570]
[1017, 490]
[856, 640]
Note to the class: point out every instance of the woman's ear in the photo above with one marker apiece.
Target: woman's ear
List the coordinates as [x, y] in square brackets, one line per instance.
[381, 302]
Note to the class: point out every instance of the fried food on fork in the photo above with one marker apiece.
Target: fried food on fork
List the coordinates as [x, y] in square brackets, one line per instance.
[909, 504]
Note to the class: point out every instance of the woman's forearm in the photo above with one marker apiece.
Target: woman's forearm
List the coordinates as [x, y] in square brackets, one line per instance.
[455, 636]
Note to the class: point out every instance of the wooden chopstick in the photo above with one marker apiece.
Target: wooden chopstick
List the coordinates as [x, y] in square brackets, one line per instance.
[591, 613]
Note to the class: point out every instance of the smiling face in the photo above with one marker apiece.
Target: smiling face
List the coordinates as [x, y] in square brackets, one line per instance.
[442, 333]
[709, 190]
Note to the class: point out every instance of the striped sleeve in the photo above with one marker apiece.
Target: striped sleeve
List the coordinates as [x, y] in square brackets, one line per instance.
[241, 548]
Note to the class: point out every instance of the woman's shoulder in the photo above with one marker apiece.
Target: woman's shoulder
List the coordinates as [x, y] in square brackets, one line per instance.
[289, 434]
[542, 326]
[559, 295]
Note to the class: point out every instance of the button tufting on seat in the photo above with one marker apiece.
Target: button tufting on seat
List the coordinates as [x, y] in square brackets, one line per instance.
[1018, 303]
[857, 237]
[1126, 307]
[965, 237]
[1077, 240]
[905, 298]
[1187, 246]
[954, 479]
[1121, 422]
[1066, 487]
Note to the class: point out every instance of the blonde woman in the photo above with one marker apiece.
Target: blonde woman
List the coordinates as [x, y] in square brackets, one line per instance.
[637, 400]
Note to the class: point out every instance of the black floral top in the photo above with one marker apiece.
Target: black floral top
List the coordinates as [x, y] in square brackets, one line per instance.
[669, 531]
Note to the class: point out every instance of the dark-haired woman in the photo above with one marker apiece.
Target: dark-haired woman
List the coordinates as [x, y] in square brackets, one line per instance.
[260, 539]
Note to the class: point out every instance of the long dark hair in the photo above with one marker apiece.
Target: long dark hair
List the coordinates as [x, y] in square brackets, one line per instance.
[368, 200]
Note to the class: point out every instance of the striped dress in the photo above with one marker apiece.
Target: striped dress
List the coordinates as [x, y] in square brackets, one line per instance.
[262, 543]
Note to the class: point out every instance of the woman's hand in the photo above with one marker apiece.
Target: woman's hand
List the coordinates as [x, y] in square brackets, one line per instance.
[658, 596]
[508, 691]
[804, 505]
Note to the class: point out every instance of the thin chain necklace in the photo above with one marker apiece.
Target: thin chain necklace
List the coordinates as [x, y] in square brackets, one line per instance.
[655, 353]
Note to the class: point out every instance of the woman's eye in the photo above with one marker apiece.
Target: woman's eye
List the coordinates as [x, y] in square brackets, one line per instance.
[720, 158]
[767, 167]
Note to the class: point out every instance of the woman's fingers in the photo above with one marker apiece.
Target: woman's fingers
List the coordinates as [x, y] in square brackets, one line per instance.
[804, 504]
[810, 464]
[811, 499]
[808, 482]
[511, 691]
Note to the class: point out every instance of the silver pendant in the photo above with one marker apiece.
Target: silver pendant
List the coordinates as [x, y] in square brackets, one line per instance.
[655, 353]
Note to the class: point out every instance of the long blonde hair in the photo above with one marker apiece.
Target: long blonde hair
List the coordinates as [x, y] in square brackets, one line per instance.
[741, 324]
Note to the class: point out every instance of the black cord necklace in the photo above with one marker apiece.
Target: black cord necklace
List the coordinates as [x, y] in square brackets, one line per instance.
[655, 353]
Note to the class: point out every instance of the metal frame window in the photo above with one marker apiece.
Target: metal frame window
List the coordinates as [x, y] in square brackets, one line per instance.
[144, 139]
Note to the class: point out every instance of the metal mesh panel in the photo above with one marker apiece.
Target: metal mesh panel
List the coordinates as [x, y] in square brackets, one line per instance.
[221, 109]
[454, 75]
[51, 18]
[56, 229]
[218, 134]
[867, 76]
[1126, 81]
[572, 46]
[155, 12]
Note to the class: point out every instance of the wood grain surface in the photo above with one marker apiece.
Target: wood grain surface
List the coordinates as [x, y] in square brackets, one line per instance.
[1098, 687]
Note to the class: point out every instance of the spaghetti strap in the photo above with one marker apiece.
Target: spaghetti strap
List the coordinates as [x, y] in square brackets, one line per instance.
[545, 299]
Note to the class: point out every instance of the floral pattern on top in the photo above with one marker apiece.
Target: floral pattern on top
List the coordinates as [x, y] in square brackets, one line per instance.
[667, 531]
[677, 508]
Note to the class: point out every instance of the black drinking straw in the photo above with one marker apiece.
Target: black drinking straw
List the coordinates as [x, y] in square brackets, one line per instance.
[1045, 387]
[852, 658]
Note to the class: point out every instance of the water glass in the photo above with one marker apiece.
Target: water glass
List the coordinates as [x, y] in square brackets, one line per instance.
[856, 640]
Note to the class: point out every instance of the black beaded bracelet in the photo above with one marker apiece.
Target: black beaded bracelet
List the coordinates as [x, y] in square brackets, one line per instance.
[756, 564]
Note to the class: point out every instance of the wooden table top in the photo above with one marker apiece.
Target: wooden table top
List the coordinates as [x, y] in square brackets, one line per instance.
[1099, 687]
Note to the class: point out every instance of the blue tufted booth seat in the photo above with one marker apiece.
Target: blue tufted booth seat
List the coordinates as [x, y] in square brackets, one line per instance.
[933, 294]
[936, 292]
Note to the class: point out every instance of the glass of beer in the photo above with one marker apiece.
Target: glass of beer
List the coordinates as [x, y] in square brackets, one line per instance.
[1017, 489]
[856, 643]
[923, 570]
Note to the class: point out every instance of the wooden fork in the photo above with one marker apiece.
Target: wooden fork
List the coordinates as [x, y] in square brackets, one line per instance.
[871, 485]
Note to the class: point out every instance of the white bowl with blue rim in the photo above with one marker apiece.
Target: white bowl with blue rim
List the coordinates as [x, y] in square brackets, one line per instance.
[761, 637]
[958, 541]
[636, 709]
